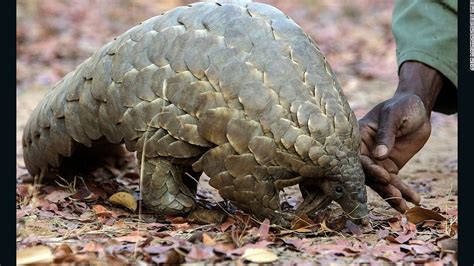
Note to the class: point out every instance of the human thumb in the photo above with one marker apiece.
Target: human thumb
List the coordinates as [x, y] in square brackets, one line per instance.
[386, 133]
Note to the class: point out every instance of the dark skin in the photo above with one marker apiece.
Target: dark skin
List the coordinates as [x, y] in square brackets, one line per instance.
[396, 129]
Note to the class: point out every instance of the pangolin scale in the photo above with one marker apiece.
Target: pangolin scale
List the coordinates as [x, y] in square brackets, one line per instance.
[237, 91]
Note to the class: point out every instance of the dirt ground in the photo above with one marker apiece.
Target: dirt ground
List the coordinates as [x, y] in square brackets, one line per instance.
[361, 51]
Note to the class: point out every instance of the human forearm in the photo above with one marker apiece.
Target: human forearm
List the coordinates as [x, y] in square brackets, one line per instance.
[421, 80]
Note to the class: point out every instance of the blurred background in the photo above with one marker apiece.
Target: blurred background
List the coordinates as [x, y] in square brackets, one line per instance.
[54, 36]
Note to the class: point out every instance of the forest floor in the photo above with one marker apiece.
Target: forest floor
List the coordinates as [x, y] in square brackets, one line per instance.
[73, 220]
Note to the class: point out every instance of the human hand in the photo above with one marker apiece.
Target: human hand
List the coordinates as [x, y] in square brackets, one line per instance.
[396, 129]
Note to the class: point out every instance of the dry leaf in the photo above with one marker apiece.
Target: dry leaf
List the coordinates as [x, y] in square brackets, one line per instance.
[382, 233]
[448, 245]
[91, 247]
[259, 255]
[171, 257]
[24, 190]
[228, 223]
[353, 228]
[62, 252]
[132, 238]
[416, 249]
[297, 242]
[120, 224]
[157, 249]
[205, 216]
[395, 223]
[259, 245]
[99, 209]
[453, 229]
[85, 194]
[200, 253]
[36, 254]
[264, 229]
[208, 240]
[417, 215]
[124, 199]
[302, 223]
[57, 196]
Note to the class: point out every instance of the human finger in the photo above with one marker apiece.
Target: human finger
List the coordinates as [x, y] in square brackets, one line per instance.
[407, 193]
[391, 195]
[374, 172]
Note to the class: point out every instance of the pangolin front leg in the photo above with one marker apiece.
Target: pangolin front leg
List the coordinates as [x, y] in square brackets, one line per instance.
[163, 188]
[314, 199]
[258, 197]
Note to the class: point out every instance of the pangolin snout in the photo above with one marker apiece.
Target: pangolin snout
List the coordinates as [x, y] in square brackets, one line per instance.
[360, 215]
[354, 204]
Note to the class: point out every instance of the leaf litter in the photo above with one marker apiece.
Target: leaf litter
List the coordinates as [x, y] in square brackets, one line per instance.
[116, 231]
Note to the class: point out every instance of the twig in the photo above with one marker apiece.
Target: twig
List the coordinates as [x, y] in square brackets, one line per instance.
[140, 185]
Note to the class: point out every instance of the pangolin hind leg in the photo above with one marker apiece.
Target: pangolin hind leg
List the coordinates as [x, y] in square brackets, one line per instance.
[163, 189]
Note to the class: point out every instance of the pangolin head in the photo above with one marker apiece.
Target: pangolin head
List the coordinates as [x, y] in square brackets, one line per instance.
[350, 191]
[345, 184]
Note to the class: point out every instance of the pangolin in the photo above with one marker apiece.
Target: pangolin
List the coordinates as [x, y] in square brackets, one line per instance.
[237, 90]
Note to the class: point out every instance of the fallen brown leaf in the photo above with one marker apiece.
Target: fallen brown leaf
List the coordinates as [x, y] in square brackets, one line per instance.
[382, 233]
[97, 189]
[98, 209]
[224, 248]
[228, 223]
[453, 229]
[328, 249]
[171, 257]
[434, 263]
[430, 224]
[20, 213]
[259, 255]
[375, 217]
[297, 242]
[85, 194]
[35, 254]
[101, 211]
[416, 249]
[132, 238]
[448, 244]
[264, 229]
[200, 253]
[91, 247]
[208, 240]
[154, 225]
[260, 244]
[389, 252]
[62, 252]
[205, 216]
[40, 203]
[124, 199]
[418, 214]
[302, 223]
[176, 219]
[157, 249]
[401, 238]
[395, 223]
[353, 228]
[24, 190]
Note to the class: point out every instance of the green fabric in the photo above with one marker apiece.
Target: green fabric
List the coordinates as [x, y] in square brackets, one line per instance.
[426, 31]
